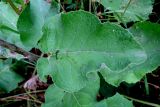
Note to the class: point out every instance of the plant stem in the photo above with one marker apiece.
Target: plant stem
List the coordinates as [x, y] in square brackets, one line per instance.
[32, 57]
[32, 92]
[127, 7]
[90, 5]
[30, 95]
[146, 85]
[29, 99]
[143, 102]
[13, 7]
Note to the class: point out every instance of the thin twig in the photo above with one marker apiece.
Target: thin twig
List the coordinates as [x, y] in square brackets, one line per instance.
[13, 7]
[127, 7]
[32, 57]
[37, 101]
[22, 94]
[90, 5]
[143, 102]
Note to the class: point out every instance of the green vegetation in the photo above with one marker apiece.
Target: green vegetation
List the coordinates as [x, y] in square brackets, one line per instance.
[78, 48]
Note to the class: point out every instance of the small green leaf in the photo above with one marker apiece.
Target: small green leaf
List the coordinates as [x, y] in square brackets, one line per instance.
[32, 19]
[129, 10]
[8, 79]
[115, 101]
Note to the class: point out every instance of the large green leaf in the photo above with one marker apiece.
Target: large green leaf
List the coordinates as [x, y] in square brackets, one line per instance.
[8, 79]
[32, 19]
[8, 29]
[147, 34]
[84, 46]
[135, 10]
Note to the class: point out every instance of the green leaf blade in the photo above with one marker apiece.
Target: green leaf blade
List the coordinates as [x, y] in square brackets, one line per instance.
[147, 35]
[85, 45]
[32, 19]
[116, 101]
[86, 97]
[8, 22]
[8, 79]
[129, 10]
